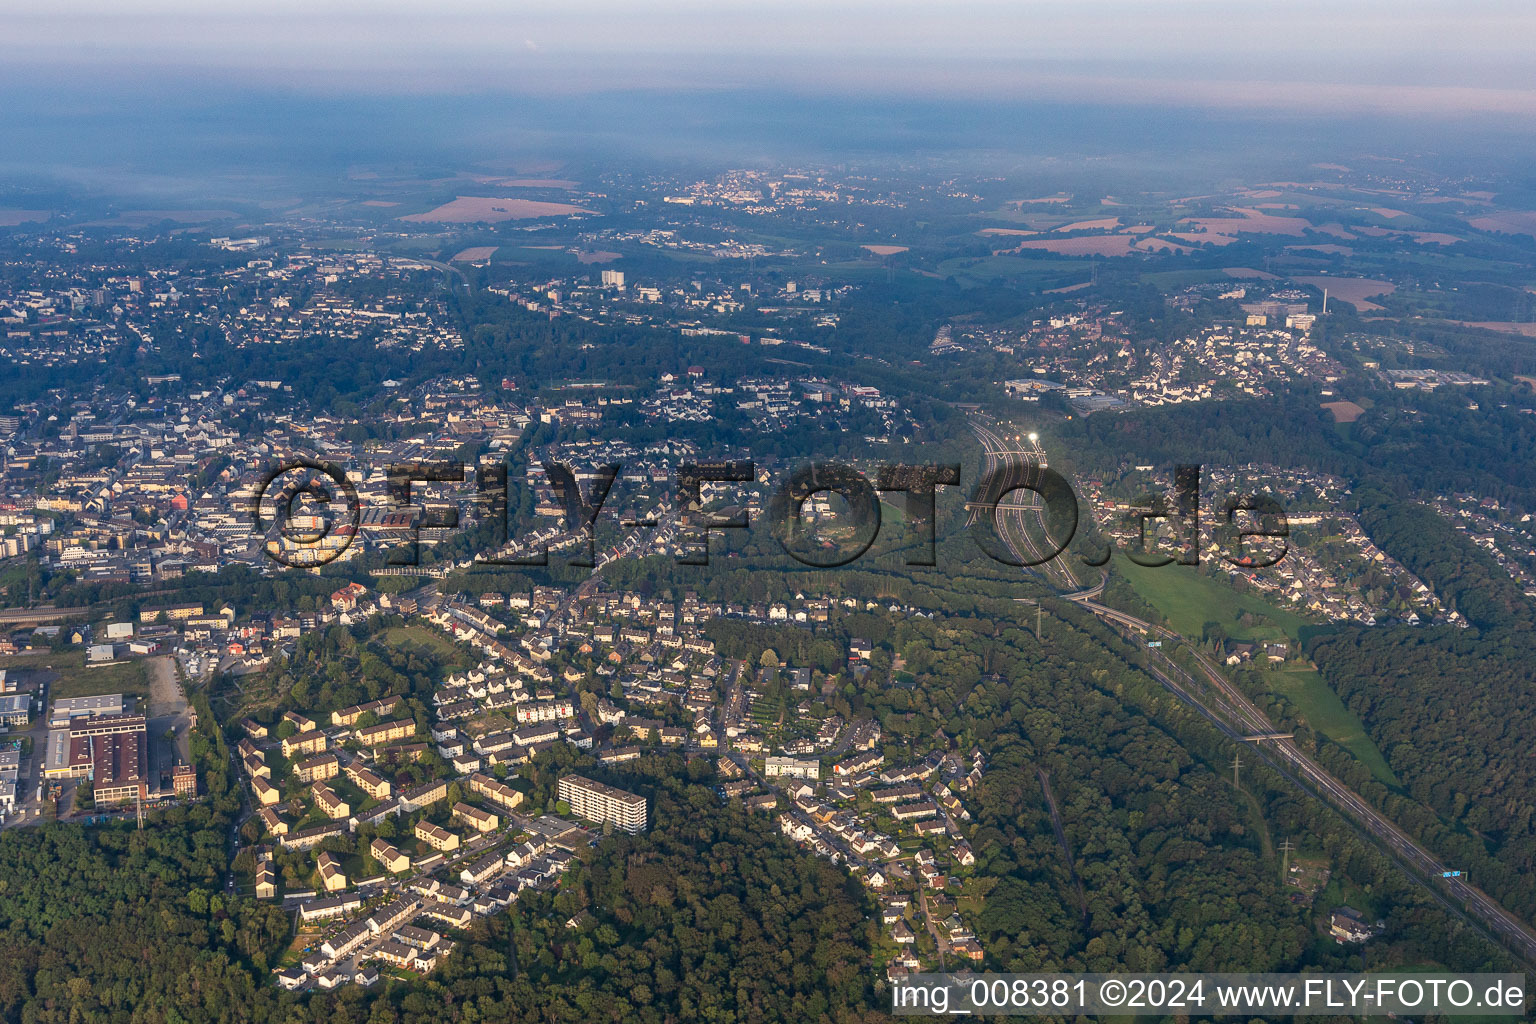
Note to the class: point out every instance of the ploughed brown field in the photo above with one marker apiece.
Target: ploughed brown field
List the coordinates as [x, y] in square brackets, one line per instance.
[474, 253]
[1195, 238]
[885, 250]
[1337, 250]
[1344, 412]
[536, 183]
[472, 209]
[1421, 237]
[1102, 224]
[1124, 244]
[1154, 244]
[1354, 290]
[11, 218]
[1506, 326]
[1510, 222]
[1251, 221]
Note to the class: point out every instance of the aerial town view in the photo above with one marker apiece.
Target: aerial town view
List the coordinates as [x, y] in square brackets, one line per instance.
[802, 513]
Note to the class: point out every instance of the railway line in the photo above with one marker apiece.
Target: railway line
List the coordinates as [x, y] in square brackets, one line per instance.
[1230, 711]
[1211, 695]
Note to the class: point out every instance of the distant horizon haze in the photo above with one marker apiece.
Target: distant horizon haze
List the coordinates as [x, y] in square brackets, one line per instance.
[171, 93]
[1348, 57]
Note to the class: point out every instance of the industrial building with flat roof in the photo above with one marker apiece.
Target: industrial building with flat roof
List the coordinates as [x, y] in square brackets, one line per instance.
[67, 709]
[110, 750]
[15, 708]
[118, 763]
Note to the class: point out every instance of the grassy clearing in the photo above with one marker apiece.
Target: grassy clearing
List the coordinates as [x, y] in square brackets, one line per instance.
[1023, 271]
[69, 676]
[1260, 827]
[1189, 600]
[1326, 714]
[1169, 279]
[1341, 893]
[418, 636]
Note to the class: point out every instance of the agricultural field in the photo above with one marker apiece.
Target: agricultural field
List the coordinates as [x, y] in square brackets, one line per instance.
[474, 254]
[491, 210]
[1354, 290]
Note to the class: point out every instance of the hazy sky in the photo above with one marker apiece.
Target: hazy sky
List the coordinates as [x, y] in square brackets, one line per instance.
[1349, 55]
[178, 91]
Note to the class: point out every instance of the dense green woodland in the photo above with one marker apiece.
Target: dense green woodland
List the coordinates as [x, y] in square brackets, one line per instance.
[711, 916]
[98, 927]
[1452, 710]
[708, 917]
[1178, 869]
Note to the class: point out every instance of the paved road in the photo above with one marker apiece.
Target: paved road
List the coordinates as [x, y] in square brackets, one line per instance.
[28, 807]
[246, 810]
[1013, 517]
[735, 707]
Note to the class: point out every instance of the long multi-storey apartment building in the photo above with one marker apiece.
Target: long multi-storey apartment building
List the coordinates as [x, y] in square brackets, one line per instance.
[597, 801]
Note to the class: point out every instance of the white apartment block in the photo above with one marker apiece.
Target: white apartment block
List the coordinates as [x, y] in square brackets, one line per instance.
[596, 801]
